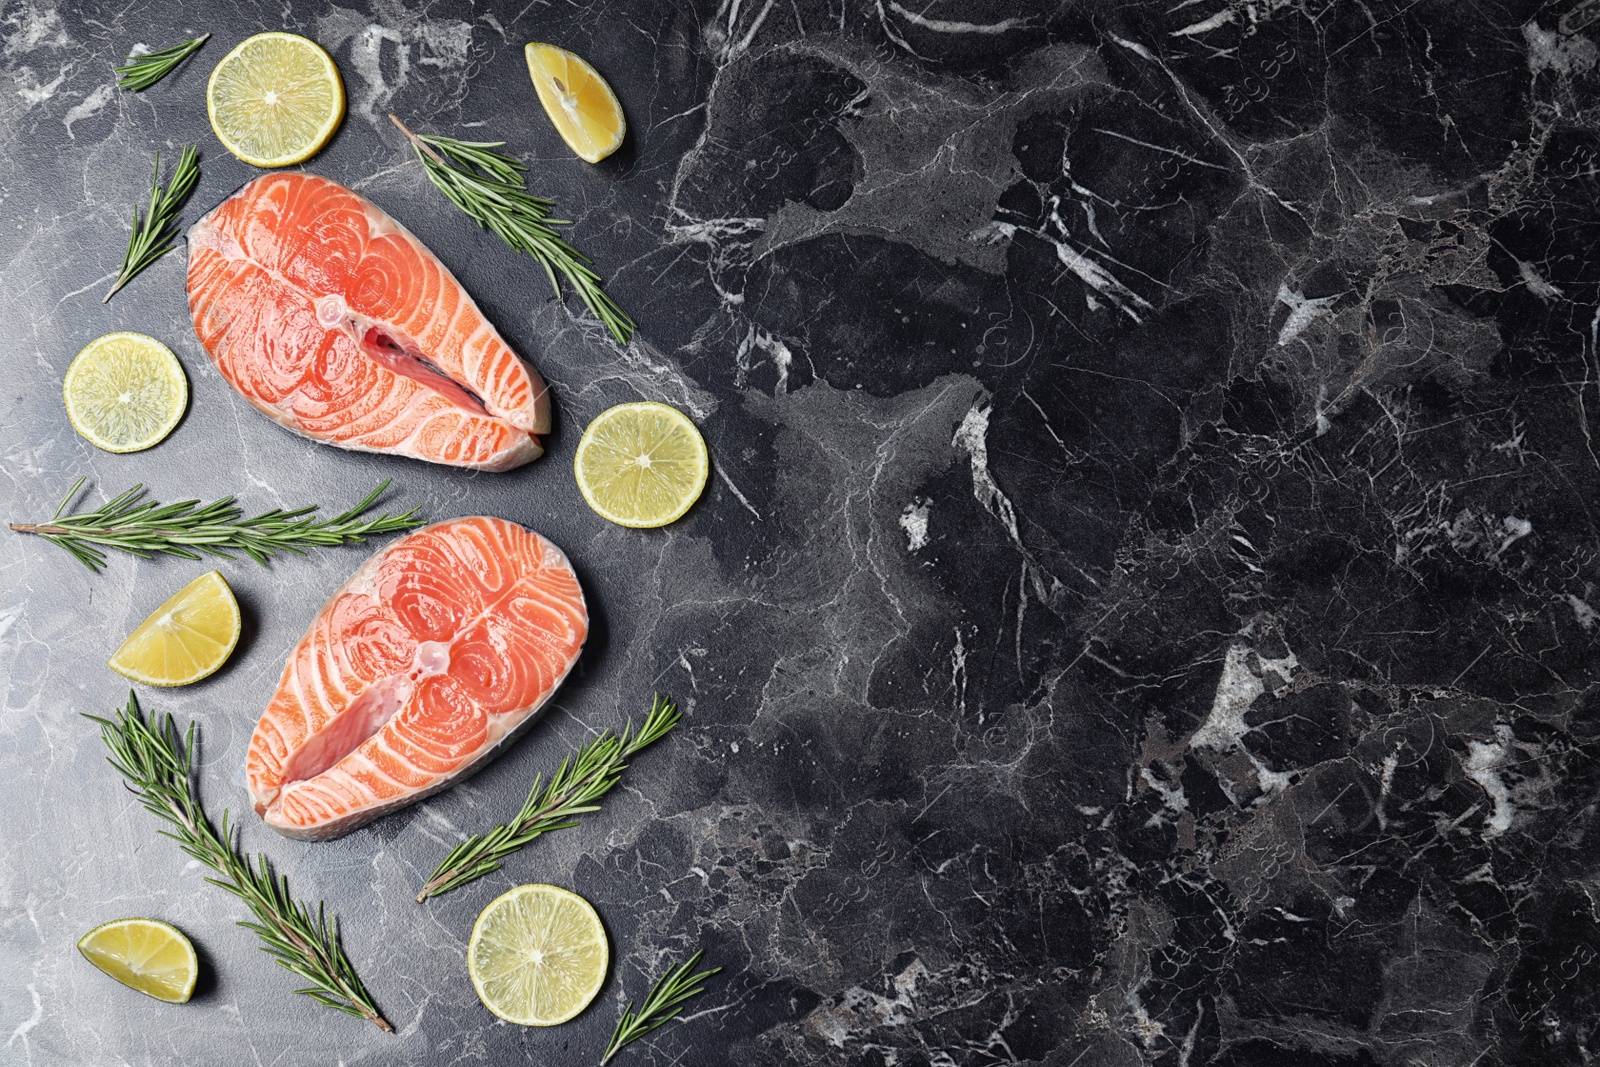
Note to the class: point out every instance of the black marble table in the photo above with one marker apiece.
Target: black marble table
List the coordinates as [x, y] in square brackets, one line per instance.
[1144, 611]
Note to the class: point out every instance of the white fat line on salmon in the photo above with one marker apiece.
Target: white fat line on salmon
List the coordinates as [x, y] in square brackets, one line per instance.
[369, 713]
[391, 349]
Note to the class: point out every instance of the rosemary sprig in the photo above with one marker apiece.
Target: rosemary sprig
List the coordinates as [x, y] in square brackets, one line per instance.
[142, 71]
[577, 785]
[661, 1006]
[187, 529]
[158, 765]
[155, 235]
[490, 188]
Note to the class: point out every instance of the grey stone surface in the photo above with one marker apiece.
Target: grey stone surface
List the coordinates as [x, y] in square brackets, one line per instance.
[1144, 611]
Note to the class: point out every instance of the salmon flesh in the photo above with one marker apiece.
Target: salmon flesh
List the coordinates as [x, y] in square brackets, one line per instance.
[435, 654]
[332, 320]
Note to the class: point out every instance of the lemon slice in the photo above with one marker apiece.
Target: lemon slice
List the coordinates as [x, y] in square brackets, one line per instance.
[641, 464]
[125, 392]
[276, 99]
[585, 111]
[538, 955]
[144, 954]
[185, 639]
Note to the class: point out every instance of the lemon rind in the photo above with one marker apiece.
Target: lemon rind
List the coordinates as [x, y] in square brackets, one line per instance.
[168, 682]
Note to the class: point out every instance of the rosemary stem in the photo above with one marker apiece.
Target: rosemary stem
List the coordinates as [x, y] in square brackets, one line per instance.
[156, 232]
[157, 764]
[665, 1003]
[575, 788]
[419, 143]
[224, 862]
[129, 524]
[522, 827]
[491, 189]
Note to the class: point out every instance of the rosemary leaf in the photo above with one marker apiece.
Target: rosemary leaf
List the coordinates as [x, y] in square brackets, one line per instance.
[188, 528]
[490, 188]
[142, 71]
[575, 788]
[155, 235]
[158, 765]
[663, 1004]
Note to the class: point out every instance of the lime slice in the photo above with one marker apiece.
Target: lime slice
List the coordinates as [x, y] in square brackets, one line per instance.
[144, 954]
[580, 103]
[185, 639]
[641, 464]
[276, 99]
[538, 955]
[125, 392]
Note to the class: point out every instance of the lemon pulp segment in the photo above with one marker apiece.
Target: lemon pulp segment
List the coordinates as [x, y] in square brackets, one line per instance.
[578, 100]
[186, 638]
[144, 954]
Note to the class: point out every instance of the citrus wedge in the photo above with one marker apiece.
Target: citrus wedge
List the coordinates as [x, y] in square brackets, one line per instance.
[276, 99]
[538, 955]
[144, 954]
[641, 464]
[585, 111]
[125, 392]
[185, 639]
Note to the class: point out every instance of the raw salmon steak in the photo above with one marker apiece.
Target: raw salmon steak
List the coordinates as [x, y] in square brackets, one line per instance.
[331, 319]
[438, 650]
